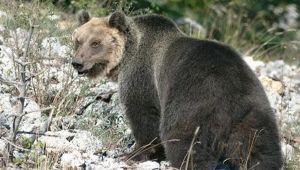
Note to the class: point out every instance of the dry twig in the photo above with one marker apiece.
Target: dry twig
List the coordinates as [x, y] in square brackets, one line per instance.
[22, 85]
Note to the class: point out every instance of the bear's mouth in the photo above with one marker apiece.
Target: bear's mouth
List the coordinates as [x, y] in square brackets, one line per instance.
[96, 69]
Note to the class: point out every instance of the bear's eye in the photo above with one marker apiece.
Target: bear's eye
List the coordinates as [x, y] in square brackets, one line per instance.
[95, 44]
[77, 44]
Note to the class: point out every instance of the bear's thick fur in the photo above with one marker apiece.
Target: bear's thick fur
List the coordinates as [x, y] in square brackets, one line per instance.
[171, 84]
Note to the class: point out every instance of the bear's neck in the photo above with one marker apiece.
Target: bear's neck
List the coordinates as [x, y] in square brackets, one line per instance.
[131, 47]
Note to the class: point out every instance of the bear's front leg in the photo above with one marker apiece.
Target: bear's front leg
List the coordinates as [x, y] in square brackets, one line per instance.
[144, 122]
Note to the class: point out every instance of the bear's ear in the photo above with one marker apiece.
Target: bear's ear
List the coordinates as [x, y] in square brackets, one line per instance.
[83, 17]
[118, 20]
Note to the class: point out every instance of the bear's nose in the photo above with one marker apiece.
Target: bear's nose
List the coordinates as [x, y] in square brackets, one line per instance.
[77, 66]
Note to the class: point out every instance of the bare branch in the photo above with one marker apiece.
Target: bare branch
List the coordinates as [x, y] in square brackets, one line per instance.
[22, 63]
[11, 143]
[28, 41]
[36, 133]
[40, 110]
[34, 75]
[22, 89]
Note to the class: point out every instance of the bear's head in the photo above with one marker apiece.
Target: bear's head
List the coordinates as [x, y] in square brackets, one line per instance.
[99, 44]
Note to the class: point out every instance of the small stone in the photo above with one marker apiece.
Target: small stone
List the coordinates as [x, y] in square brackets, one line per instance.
[63, 25]
[278, 86]
[57, 141]
[1, 39]
[2, 146]
[267, 82]
[288, 151]
[165, 165]
[84, 141]
[72, 160]
[53, 17]
[255, 65]
[148, 165]
[65, 141]
[56, 47]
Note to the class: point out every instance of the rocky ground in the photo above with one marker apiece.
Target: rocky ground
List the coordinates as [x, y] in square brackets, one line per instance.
[73, 123]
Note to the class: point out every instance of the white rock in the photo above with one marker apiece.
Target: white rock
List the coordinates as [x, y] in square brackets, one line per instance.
[3, 14]
[32, 108]
[3, 153]
[148, 165]
[270, 84]
[33, 119]
[65, 141]
[53, 17]
[72, 160]
[288, 151]
[274, 98]
[104, 88]
[6, 110]
[288, 18]
[18, 38]
[31, 122]
[164, 165]
[5, 104]
[255, 65]
[110, 164]
[85, 142]
[277, 70]
[2, 146]
[7, 68]
[2, 28]
[51, 46]
[57, 141]
[1, 37]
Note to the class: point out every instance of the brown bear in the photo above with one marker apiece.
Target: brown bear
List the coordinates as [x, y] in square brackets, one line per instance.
[195, 102]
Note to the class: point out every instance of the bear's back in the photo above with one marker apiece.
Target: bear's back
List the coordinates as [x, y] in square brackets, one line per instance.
[199, 69]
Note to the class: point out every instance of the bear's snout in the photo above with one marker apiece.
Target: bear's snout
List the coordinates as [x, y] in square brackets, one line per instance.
[76, 65]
